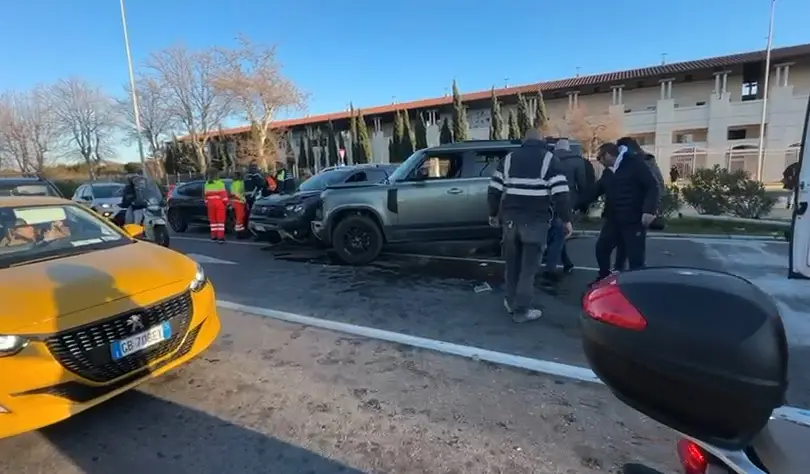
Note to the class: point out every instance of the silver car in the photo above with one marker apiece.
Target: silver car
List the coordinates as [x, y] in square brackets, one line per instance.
[104, 198]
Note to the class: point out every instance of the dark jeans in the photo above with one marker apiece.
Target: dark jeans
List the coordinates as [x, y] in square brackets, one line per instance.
[556, 251]
[632, 238]
[522, 246]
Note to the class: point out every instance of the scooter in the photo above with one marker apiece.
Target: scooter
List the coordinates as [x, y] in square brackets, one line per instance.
[704, 353]
[154, 223]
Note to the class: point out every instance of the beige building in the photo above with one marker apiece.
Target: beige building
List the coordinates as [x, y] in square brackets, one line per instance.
[691, 114]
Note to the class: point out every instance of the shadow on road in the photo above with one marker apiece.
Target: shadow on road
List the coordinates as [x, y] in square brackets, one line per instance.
[138, 433]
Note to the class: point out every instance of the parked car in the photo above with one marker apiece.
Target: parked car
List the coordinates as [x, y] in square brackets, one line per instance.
[28, 186]
[88, 311]
[438, 193]
[102, 197]
[290, 215]
[186, 206]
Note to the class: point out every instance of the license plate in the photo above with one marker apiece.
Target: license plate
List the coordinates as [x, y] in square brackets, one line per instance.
[140, 341]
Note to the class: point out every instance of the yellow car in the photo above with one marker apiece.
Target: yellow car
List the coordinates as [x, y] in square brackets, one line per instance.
[87, 311]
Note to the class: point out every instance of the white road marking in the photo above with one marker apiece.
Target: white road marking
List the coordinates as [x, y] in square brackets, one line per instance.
[206, 259]
[475, 353]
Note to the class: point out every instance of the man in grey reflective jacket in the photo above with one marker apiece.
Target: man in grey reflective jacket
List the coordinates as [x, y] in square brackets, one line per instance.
[522, 191]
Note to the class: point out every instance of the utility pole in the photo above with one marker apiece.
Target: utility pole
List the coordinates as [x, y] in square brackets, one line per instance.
[761, 154]
[135, 110]
[663, 59]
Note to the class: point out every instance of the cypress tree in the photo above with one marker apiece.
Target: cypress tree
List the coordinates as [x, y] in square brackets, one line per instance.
[445, 134]
[496, 119]
[459, 116]
[523, 120]
[398, 136]
[333, 155]
[540, 114]
[514, 133]
[353, 133]
[363, 140]
[311, 155]
[303, 160]
[392, 151]
[421, 132]
[407, 136]
[324, 151]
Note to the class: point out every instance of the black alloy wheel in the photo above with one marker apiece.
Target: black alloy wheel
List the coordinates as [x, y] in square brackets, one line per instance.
[357, 240]
[177, 221]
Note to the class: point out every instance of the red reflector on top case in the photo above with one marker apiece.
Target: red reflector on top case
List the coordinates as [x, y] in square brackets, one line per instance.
[693, 458]
[606, 303]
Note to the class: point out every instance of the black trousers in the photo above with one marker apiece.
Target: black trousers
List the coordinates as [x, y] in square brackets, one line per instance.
[632, 238]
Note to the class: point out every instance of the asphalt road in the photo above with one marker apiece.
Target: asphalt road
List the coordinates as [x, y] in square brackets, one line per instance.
[274, 397]
[436, 298]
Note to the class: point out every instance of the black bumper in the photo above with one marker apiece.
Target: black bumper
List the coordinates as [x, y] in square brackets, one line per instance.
[296, 227]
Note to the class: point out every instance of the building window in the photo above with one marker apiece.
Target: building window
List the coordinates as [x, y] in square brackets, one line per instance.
[738, 134]
[627, 111]
[688, 78]
[750, 90]
[700, 104]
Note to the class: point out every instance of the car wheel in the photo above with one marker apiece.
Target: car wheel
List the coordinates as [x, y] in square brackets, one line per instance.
[177, 221]
[357, 240]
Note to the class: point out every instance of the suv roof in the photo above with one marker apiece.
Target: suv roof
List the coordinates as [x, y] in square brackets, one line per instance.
[474, 144]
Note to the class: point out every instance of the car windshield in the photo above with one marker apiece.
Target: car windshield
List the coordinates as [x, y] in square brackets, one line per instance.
[402, 170]
[105, 191]
[30, 233]
[320, 181]
[33, 189]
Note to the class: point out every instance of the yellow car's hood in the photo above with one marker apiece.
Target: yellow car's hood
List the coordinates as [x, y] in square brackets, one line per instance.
[43, 291]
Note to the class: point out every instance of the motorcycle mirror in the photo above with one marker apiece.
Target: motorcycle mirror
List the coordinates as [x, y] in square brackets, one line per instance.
[134, 230]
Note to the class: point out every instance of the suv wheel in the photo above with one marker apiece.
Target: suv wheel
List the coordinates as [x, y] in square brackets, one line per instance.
[357, 240]
[177, 221]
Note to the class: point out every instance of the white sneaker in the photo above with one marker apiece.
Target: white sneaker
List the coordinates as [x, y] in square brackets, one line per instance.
[506, 305]
[530, 315]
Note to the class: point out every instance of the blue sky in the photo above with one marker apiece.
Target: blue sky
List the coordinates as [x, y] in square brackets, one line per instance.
[373, 53]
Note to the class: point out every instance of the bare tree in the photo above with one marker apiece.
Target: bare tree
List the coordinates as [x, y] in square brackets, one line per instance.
[590, 130]
[251, 78]
[29, 135]
[86, 116]
[187, 78]
[157, 121]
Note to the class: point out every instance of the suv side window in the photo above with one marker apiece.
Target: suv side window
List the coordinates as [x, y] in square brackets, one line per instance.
[358, 177]
[481, 164]
[192, 190]
[442, 165]
[376, 175]
[78, 193]
[87, 192]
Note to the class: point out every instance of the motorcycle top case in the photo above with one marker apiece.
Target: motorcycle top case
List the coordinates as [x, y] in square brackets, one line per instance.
[711, 361]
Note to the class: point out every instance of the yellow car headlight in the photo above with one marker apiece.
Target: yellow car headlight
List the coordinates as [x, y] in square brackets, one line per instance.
[10, 345]
[198, 283]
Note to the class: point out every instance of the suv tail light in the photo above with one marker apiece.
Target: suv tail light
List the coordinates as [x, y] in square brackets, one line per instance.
[693, 457]
[605, 302]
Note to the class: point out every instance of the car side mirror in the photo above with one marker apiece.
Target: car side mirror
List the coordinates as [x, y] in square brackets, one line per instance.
[700, 351]
[133, 230]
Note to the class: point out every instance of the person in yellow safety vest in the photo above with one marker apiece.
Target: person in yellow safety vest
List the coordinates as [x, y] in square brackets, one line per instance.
[216, 202]
[238, 202]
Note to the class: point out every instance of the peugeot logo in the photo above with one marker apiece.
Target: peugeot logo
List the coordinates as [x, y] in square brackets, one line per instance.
[135, 323]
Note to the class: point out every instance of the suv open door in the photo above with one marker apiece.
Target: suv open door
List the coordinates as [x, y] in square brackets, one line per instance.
[800, 235]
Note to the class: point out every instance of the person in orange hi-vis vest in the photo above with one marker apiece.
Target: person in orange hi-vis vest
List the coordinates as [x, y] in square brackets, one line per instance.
[216, 202]
[238, 202]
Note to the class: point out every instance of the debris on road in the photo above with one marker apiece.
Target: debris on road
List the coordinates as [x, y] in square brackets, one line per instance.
[482, 288]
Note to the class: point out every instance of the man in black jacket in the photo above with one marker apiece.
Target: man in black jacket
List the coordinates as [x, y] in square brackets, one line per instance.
[255, 185]
[521, 193]
[631, 200]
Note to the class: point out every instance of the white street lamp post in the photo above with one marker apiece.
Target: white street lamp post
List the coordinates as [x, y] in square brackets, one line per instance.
[135, 111]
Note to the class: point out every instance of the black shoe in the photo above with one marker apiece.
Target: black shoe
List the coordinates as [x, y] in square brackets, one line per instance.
[222, 241]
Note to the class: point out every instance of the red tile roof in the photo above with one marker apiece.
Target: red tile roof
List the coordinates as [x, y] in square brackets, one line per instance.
[777, 54]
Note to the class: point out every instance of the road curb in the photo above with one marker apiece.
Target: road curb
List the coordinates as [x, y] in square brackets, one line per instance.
[672, 235]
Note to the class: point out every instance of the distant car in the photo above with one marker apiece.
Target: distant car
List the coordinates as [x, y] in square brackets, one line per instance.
[102, 197]
[290, 215]
[28, 186]
[186, 206]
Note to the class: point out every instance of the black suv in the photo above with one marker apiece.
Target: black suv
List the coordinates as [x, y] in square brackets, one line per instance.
[290, 215]
[186, 206]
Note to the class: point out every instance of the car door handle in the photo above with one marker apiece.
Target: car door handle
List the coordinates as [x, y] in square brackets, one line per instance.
[455, 191]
